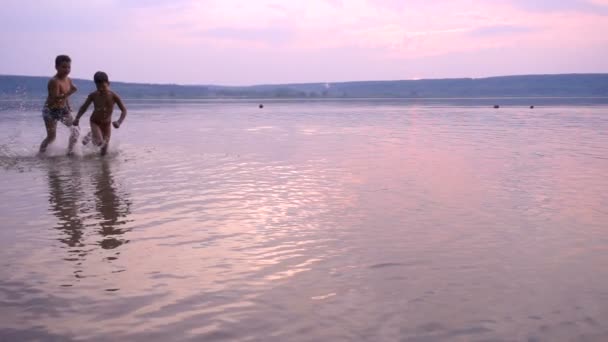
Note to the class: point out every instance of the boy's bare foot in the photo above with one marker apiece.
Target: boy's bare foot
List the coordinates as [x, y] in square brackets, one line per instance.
[87, 138]
[104, 149]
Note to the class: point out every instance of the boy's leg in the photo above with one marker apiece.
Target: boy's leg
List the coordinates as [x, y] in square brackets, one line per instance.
[96, 135]
[67, 120]
[104, 149]
[106, 131]
[87, 138]
[51, 132]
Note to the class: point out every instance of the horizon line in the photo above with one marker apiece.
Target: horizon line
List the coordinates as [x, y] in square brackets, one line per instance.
[325, 82]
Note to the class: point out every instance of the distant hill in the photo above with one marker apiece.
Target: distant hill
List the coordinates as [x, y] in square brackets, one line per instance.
[563, 85]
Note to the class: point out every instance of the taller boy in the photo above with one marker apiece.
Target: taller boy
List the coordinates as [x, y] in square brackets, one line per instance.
[57, 107]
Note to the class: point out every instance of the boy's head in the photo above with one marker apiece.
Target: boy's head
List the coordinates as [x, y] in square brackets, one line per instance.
[101, 79]
[63, 65]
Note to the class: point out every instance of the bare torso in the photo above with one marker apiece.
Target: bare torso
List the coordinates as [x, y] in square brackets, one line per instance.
[103, 104]
[61, 87]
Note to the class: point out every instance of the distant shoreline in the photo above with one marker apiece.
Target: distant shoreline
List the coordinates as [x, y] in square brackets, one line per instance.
[526, 86]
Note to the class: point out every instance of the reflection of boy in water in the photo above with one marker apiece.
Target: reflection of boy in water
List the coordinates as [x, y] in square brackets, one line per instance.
[64, 200]
[103, 100]
[110, 206]
[70, 204]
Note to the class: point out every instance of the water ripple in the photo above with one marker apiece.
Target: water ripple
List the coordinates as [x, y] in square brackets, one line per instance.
[310, 221]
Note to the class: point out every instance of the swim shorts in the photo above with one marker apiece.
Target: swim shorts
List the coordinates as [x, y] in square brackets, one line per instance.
[56, 114]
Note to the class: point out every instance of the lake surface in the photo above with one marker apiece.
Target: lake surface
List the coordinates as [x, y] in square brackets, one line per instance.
[309, 221]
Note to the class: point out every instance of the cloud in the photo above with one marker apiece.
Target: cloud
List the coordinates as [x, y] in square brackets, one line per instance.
[599, 7]
[152, 3]
[269, 35]
[354, 39]
[44, 18]
[499, 30]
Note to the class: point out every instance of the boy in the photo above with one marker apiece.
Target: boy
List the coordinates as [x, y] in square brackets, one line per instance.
[103, 100]
[57, 107]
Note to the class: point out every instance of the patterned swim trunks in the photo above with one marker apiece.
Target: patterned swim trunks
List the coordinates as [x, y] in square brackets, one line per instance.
[56, 114]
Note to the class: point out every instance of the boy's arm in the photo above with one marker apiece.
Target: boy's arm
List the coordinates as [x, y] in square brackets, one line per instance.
[123, 111]
[83, 109]
[73, 88]
[54, 90]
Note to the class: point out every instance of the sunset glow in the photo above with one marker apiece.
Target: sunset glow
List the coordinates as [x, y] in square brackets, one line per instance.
[265, 41]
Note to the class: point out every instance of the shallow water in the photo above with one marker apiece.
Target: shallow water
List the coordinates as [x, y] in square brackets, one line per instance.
[309, 221]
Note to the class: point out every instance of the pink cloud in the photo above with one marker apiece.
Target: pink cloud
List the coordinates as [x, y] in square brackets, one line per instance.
[417, 30]
[357, 39]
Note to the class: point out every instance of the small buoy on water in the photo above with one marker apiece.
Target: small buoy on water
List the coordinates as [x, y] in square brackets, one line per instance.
[261, 106]
[496, 106]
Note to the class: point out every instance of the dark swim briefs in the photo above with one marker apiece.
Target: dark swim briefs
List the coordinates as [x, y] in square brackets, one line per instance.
[104, 126]
[55, 114]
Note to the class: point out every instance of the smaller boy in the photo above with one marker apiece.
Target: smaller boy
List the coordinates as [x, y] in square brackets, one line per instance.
[103, 100]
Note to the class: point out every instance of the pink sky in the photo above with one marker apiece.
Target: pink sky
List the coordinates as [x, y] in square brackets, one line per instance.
[237, 42]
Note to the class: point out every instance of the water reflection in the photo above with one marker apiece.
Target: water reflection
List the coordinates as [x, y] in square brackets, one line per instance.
[65, 195]
[112, 206]
[349, 223]
[83, 195]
